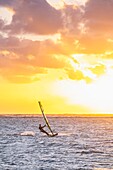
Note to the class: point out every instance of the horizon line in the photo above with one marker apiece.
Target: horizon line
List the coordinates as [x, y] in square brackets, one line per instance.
[58, 115]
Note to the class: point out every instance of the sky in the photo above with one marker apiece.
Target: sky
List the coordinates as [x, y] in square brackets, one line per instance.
[59, 52]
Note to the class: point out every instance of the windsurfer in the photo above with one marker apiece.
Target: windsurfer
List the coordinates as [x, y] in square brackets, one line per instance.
[42, 129]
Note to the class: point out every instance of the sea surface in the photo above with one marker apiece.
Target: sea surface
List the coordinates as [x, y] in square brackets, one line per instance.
[82, 144]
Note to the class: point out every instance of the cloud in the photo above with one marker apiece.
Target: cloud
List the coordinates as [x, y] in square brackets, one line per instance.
[9, 42]
[18, 72]
[99, 14]
[20, 58]
[90, 25]
[97, 20]
[108, 56]
[90, 44]
[83, 30]
[21, 79]
[71, 17]
[35, 53]
[98, 69]
[1, 24]
[39, 17]
[78, 75]
[7, 3]
[36, 17]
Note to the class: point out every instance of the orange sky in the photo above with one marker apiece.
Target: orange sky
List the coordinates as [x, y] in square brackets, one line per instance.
[59, 52]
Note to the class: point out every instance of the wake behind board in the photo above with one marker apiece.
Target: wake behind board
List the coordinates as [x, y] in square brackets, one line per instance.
[51, 134]
[54, 134]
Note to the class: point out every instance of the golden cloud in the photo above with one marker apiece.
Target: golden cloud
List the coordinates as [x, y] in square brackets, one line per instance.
[78, 75]
[98, 69]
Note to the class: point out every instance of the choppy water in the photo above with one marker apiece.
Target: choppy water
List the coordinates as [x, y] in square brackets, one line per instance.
[82, 144]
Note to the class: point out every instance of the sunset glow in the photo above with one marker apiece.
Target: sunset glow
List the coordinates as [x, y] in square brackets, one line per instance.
[59, 52]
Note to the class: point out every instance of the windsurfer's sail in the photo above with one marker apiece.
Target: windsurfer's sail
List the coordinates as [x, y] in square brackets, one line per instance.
[46, 120]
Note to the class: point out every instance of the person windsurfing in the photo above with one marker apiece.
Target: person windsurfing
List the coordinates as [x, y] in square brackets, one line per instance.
[41, 128]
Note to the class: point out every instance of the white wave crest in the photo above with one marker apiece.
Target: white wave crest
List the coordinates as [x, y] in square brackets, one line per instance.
[27, 133]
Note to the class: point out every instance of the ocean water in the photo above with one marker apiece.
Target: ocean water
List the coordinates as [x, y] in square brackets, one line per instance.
[82, 144]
